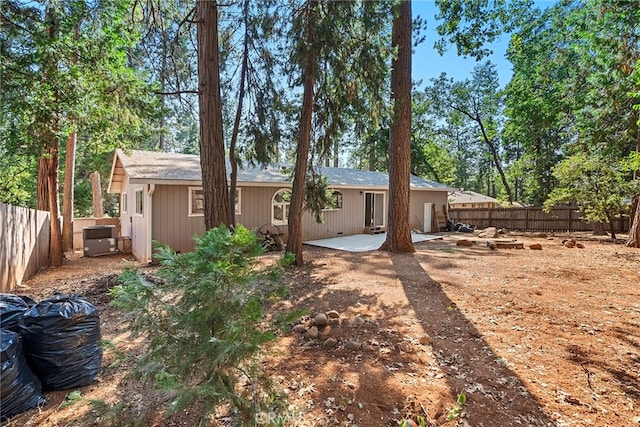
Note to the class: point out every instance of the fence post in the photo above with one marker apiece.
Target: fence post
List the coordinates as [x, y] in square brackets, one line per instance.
[569, 219]
[526, 219]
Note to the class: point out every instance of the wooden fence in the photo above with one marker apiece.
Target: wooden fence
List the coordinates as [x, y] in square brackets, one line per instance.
[531, 219]
[24, 244]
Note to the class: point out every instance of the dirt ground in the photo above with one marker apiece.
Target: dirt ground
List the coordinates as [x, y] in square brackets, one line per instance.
[546, 337]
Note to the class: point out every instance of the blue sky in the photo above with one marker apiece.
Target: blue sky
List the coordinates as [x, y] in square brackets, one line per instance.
[427, 63]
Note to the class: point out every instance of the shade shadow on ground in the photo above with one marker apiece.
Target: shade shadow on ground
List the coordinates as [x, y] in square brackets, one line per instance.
[495, 394]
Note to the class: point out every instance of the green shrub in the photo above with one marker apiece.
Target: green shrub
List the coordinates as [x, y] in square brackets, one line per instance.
[203, 317]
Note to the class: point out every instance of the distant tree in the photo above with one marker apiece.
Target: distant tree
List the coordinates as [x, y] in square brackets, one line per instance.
[63, 72]
[478, 101]
[598, 184]
[398, 236]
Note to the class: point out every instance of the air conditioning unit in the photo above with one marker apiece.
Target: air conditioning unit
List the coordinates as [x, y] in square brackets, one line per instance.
[99, 240]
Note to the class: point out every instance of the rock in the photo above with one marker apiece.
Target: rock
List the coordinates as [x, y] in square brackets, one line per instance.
[321, 319]
[332, 314]
[301, 329]
[492, 246]
[464, 242]
[579, 245]
[312, 333]
[403, 347]
[540, 235]
[489, 232]
[425, 340]
[503, 231]
[357, 321]
[536, 246]
[353, 345]
[368, 348]
[330, 342]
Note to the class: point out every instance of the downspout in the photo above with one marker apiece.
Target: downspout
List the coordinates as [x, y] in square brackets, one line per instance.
[149, 249]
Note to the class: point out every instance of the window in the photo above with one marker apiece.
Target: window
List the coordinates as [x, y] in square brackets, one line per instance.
[238, 205]
[335, 202]
[280, 207]
[139, 202]
[123, 203]
[196, 201]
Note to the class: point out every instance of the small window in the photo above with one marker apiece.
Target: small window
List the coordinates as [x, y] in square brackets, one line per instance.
[196, 201]
[238, 205]
[139, 202]
[280, 207]
[123, 203]
[335, 201]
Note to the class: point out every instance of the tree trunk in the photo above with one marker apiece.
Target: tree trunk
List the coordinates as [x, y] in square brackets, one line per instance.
[96, 190]
[398, 228]
[67, 192]
[294, 241]
[212, 155]
[634, 215]
[612, 229]
[496, 159]
[236, 123]
[42, 185]
[634, 232]
[49, 164]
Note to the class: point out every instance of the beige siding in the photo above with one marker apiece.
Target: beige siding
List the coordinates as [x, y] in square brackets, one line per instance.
[416, 209]
[339, 222]
[172, 224]
[255, 207]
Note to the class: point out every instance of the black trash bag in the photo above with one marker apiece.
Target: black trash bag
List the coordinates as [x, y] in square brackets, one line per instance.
[61, 338]
[12, 307]
[19, 388]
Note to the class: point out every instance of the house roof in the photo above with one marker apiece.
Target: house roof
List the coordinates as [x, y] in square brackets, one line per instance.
[184, 169]
[466, 196]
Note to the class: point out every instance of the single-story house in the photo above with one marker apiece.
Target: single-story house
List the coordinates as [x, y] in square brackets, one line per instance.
[161, 200]
[471, 199]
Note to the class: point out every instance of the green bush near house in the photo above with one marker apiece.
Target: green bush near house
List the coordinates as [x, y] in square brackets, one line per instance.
[204, 320]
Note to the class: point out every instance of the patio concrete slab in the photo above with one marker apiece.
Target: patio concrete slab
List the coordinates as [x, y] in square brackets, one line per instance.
[363, 242]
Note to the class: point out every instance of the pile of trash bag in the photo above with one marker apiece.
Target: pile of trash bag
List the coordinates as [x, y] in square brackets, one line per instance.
[460, 227]
[12, 307]
[20, 389]
[61, 338]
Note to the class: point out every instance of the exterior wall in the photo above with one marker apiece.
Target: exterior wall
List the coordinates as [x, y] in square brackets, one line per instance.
[416, 207]
[172, 225]
[339, 222]
[135, 225]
